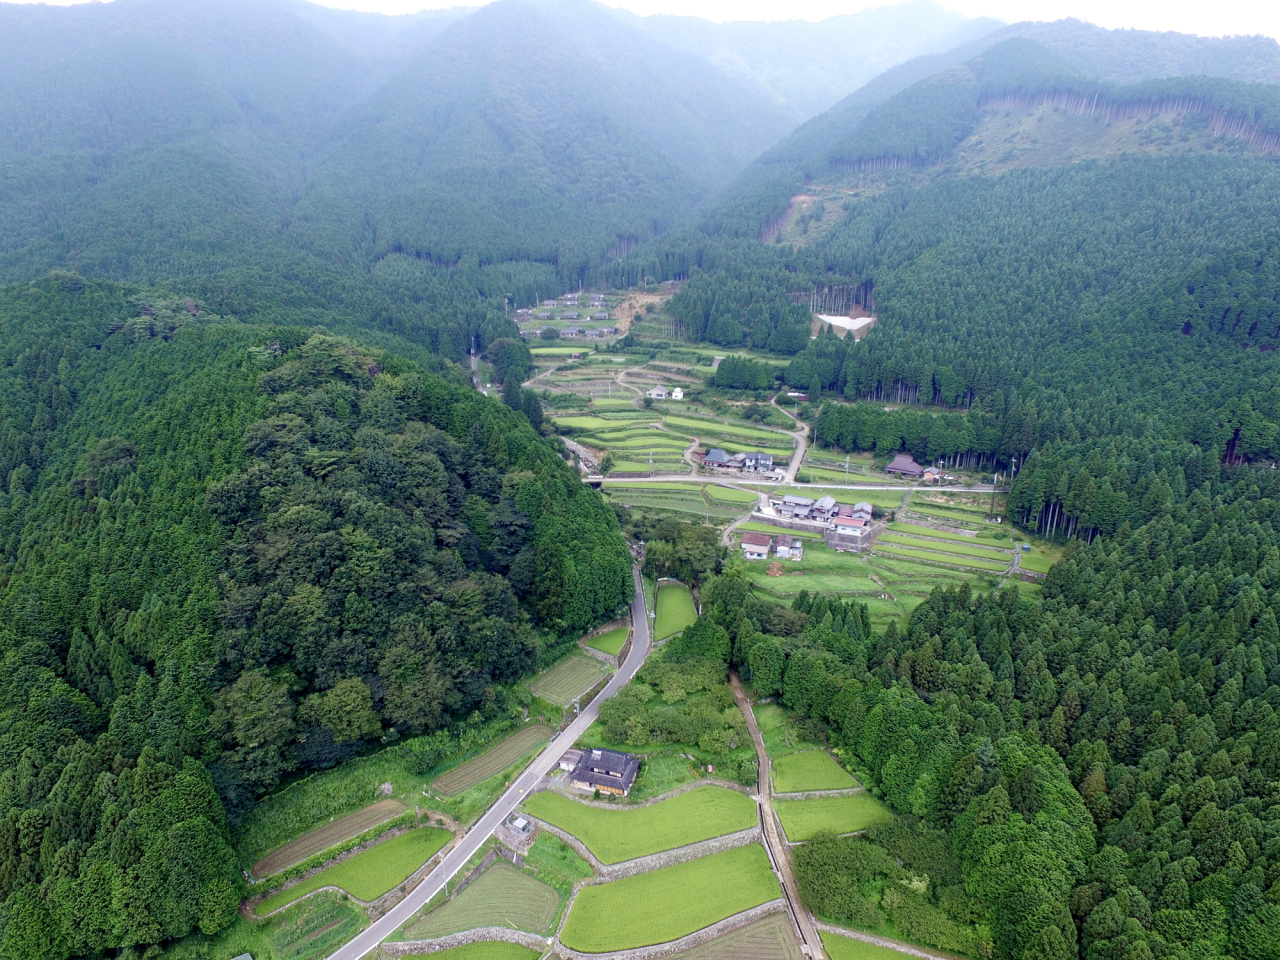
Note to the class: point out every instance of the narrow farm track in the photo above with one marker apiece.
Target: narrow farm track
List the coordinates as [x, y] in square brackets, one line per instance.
[801, 437]
[779, 852]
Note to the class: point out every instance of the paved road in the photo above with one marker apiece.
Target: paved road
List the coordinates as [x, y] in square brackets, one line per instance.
[781, 852]
[546, 761]
[747, 482]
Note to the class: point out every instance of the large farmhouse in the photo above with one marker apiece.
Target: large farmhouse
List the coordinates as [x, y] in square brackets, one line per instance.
[605, 770]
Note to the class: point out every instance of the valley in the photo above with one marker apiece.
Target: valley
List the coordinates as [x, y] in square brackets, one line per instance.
[539, 481]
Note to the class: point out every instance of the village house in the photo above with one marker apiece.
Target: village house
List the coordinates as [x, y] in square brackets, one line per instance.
[715, 457]
[592, 334]
[823, 507]
[600, 315]
[605, 770]
[863, 510]
[548, 303]
[758, 462]
[571, 315]
[571, 332]
[570, 760]
[850, 526]
[656, 393]
[793, 505]
[543, 315]
[905, 465]
[789, 548]
[756, 546]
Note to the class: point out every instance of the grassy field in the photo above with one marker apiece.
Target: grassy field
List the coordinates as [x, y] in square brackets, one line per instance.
[555, 862]
[1038, 564]
[326, 836]
[736, 429]
[611, 642]
[948, 514]
[675, 610]
[846, 948]
[571, 677]
[670, 903]
[959, 549]
[919, 554]
[838, 476]
[502, 896]
[809, 770]
[492, 950]
[370, 874]
[769, 938]
[582, 423]
[497, 758]
[618, 835]
[805, 819]
[939, 534]
[775, 531]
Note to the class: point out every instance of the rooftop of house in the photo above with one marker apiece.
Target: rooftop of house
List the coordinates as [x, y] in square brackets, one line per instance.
[825, 503]
[792, 500]
[905, 463]
[862, 507]
[756, 540]
[715, 455]
[606, 768]
[785, 540]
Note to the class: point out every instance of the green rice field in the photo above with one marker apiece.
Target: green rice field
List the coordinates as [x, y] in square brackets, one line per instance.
[809, 770]
[854, 476]
[618, 835]
[490, 950]
[611, 642]
[670, 903]
[370, 874]
[502, 896]
[675, 610]
[806, 819]
[570, 678]
[494, 760]
[847, 948]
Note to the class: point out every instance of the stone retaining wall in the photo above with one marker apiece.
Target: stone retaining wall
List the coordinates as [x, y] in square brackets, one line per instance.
[654, 861]
[479, 935]
[814, 794]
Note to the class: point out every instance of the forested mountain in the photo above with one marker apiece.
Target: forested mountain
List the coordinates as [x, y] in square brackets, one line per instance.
[809, 65]
[230, 552]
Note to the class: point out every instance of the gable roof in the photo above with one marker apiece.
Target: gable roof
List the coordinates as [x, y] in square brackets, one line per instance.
[756, 539]
[862, 507]
[715, 455]
[792, 500]
[825, 503]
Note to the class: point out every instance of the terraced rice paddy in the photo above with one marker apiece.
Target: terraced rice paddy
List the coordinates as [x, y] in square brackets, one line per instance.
[776, 531]
[959, 549]
[847, 948]
[493, 761]
[732, 495]
[370, 874]
[570, 678]
[502, 896]
[916, 554]
[670, 903]
[939, 534]
[616, 835]
[326, 836]
[610, 642]
[316, 928]
[806, 819]
[675, 610]
[769, 938]
[809, 770]
[489, 950]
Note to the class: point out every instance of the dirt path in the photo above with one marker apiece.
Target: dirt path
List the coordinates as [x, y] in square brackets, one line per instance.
[800, 436]
[781, 853]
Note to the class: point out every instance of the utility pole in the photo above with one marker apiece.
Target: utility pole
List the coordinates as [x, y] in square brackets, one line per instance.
[995, 479]
[846, 471]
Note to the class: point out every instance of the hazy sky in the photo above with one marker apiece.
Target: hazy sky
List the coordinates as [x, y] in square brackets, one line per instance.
[1206, 17]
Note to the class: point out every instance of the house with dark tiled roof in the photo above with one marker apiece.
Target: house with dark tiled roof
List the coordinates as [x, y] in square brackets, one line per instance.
[789, 548]
[605, 770]
[905, 465]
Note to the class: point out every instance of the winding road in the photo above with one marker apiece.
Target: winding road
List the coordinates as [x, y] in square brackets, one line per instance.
[546, 761]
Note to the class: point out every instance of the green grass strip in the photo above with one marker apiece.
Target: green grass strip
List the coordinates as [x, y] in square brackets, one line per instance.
[809, 770]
